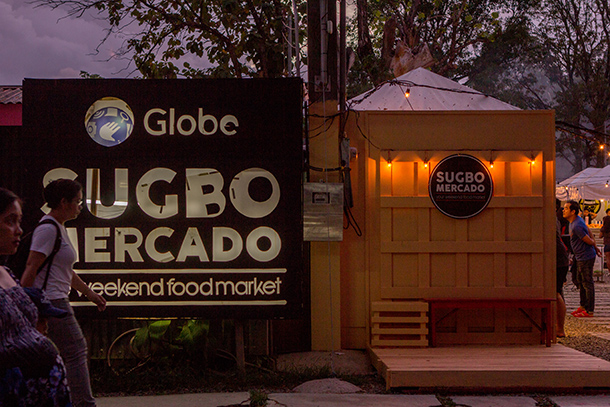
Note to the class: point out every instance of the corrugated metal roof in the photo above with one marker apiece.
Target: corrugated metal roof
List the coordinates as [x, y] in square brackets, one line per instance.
[11, 95]
[428, 91]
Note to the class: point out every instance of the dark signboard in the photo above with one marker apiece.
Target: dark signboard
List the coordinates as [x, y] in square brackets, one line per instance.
[460, 186]
[192, 191]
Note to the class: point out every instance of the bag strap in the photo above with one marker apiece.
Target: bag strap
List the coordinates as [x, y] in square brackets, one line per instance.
[49, 260]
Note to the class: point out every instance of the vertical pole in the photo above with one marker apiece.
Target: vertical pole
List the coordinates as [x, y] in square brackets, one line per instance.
[240, 353]
[297, 48]
[342, 67]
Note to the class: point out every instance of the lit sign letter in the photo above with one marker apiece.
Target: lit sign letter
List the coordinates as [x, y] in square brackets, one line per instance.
[152, 250]
[243, 202]
[207, 118]
[224, 124]
[161, 123]
[192, 245]
[219, 234]
[121, 246]
[92, 243]
[191, 128]
[252, 244]
[170, 208]
[93, 201]
[198, 203]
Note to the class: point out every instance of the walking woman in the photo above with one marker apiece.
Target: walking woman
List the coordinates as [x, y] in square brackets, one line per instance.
[31, 370]
[64, 197]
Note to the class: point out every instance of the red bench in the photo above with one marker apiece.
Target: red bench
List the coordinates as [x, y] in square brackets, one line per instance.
[460, 303]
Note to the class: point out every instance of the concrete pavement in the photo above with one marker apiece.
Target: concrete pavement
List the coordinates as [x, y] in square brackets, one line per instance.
[346, 400]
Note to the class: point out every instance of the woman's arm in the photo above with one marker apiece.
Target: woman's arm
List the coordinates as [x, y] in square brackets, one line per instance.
[35, 260]
[79, 285]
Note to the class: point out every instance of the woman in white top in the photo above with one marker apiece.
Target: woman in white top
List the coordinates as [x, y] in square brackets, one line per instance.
[64, 197]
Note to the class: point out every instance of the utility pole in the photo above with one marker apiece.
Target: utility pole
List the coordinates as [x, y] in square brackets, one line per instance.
[322, 50]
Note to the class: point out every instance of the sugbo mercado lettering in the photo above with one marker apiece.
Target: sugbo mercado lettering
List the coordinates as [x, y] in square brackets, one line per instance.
[460, 177]
[461, 181]
[204, 199]
[129, 242]
[203, 193]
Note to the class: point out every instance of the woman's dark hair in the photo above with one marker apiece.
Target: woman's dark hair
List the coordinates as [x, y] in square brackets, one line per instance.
[7, 198]
[61, 189]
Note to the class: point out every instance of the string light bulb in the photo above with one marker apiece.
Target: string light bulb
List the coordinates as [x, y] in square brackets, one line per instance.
[532, 159]
[408, 93]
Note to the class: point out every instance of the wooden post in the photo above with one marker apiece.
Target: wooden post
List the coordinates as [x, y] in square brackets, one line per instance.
[240, 353]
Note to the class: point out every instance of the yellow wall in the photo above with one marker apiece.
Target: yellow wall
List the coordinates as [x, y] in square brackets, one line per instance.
[325, 256]
[402, 253]
[409, 250]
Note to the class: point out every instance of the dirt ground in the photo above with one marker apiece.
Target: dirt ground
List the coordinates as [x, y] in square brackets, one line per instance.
[345, 362]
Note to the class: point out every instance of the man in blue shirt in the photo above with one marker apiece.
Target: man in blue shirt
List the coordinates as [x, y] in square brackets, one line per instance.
[585, 250]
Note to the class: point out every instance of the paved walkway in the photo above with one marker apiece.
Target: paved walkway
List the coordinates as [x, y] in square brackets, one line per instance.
[602, 318]
[345, 400]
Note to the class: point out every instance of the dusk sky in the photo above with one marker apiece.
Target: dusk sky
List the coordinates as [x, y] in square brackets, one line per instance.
[38, 43]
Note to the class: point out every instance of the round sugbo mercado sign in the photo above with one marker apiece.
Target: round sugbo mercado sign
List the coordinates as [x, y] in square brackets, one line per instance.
[460, 186]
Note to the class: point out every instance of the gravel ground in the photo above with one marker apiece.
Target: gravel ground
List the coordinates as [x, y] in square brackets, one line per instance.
[579, 337]
[579, 331]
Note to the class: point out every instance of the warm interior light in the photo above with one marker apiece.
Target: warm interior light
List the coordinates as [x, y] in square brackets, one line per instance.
[601, 146]
[426, 164]
[491, 164]
[389, 164]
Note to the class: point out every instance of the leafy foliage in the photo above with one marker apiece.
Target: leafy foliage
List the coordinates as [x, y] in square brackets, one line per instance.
[453, 31]
[234, 38]
[576, 36]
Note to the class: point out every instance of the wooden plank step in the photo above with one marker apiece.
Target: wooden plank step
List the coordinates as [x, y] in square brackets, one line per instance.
[399, 324]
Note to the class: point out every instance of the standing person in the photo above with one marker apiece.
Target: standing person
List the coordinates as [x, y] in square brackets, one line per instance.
[588, 216]
[563, 264]
[605, 233]
[64, 197]
[31, 371]
[585, 250]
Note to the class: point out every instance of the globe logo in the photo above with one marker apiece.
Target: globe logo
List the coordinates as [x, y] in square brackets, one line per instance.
[109, 121]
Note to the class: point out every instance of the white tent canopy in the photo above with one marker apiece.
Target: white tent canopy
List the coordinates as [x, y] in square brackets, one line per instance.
[590, 183]
[428, 91]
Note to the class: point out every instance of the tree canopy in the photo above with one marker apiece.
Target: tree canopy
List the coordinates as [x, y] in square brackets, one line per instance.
[550, 54]
[237, 37]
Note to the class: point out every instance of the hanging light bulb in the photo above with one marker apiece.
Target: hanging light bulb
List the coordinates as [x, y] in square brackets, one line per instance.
[408, 93]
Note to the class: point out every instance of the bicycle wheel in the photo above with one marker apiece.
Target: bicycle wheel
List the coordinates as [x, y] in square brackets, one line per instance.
[121, 357]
